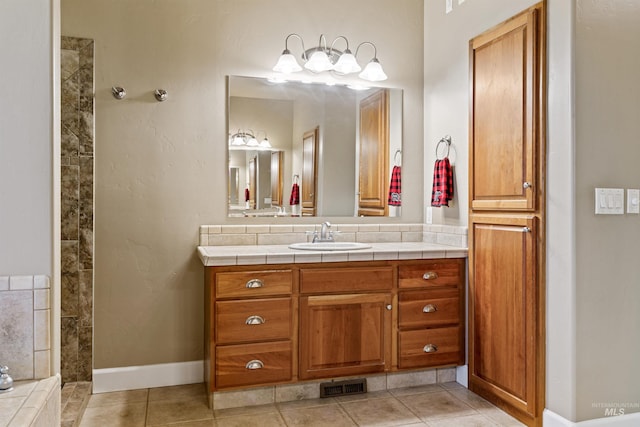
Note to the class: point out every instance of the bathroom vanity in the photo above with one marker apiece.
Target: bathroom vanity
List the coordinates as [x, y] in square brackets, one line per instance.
[282, 323]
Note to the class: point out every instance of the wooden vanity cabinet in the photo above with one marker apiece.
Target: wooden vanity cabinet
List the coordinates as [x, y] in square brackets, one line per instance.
[271, 324]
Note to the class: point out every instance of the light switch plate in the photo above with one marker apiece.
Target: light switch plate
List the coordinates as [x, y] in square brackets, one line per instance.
[633, 200]
[448, 5]
[609, 201]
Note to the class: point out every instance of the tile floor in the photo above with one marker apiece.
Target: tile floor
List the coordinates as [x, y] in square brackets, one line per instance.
[434, 405]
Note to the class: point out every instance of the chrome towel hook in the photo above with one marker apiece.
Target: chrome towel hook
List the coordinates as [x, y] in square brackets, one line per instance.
[118, 92]
[161, 95]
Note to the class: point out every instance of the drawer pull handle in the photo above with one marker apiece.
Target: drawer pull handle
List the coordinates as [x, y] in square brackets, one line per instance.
[429, 308]
[254, 320]
[254, 364]
[389, 307]
[430, 348]
[429, 275]
[254, 283]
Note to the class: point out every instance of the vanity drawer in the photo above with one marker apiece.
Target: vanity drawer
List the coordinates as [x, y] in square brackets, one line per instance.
[253, 320]
[428, 308]
[429, 273]
[430, 347]
[348, 279]
[242, 284]
[252, 364]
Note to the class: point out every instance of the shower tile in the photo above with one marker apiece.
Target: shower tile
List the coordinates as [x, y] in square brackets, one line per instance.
[69, 63]
[41, 330]
[85, 298]
[85, 131]
[85, 354]
[69, 349]
[41, 282]
[69, 294]
[16, 330]
[70, 98]
[69, 143]
[69, 256]
[41, 364]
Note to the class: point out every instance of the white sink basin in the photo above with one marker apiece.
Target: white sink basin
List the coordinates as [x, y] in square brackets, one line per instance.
[330, 246]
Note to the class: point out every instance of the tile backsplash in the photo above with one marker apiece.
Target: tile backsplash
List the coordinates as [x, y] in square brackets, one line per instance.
[25, 326]
[264, 234]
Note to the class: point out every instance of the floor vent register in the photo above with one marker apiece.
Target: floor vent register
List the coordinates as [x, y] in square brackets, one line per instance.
[343, 388]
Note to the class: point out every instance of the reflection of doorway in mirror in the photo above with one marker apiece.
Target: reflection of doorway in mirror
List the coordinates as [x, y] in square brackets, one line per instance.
[277, 161]
[234, 185]
[252, 182]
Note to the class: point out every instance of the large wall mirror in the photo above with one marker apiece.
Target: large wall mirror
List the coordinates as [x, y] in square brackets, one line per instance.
[331, 150]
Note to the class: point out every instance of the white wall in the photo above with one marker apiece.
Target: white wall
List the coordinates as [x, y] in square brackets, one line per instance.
[29, 146]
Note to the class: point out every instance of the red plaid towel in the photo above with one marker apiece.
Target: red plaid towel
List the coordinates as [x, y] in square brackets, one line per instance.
[442, 190]
[295, 195]
[246, 195]
[395, 192]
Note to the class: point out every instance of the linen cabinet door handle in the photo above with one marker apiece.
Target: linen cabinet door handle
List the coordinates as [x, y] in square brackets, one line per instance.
[254, 320]
[430, 348]
[254, 364]
[526, 185]
[254, 283]
[430, 275]
[429, 308]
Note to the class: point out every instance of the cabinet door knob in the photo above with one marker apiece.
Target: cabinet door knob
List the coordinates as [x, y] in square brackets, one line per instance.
[254, 364]
[526, 230]
[254, 320]
[429, 275]
[254, 283]
[389, 307]
[430, 348]
[526, 185]
[429, 308]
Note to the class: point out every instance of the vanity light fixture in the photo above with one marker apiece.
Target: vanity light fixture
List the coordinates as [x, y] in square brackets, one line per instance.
[322, 58]
[246, 140]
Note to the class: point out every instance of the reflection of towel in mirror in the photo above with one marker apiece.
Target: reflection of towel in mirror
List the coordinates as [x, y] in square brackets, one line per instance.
[246, 195]
[442, 190]
[295, 195]
[395, 187]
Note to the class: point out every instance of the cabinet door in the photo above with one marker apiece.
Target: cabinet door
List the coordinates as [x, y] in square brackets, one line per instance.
[344, 335]
[504, 306]
[505, 114]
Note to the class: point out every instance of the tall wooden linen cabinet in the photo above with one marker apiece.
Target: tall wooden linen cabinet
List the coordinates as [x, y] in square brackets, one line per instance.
[507, 215]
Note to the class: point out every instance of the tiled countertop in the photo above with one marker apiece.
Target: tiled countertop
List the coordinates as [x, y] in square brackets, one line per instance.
[282, 254]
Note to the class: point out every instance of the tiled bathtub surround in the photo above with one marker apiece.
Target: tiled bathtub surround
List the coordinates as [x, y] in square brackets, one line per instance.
[77, 208]
[32, 404]
[25, 319]
[232, 235]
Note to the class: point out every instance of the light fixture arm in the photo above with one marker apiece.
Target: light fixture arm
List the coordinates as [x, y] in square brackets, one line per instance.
[338, 38]
[286, 45]
[375, 50]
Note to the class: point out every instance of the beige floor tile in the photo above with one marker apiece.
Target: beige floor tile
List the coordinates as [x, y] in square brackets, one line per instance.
[452, 386]
[500, 417]
[118, 415]
[468, 421]
[201, 423]
[379, 412]
[178, 392]
[118, 397]
[321, 416]
[272, 419]
[305, 403]
[365, 396]
[430, 406]
[471, 399]
[244, 410]
[162, 412]
[429, 388]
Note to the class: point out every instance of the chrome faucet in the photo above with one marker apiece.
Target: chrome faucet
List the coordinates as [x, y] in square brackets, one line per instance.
[326, 234]
[6, 382]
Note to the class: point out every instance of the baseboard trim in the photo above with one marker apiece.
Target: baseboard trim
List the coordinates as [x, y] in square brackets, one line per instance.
[551, 419]
[147, 376]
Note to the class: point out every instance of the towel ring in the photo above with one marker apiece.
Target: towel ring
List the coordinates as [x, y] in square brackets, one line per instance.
[296, 177]
[445, 140]
[395, 158]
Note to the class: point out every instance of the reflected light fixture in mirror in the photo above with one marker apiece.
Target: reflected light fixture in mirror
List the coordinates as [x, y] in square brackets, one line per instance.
[322, 58]
[246, 140]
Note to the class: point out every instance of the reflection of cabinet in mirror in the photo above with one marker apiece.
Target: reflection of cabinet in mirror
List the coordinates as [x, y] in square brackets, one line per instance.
[277, 161]
[309, 174]
[253, 169]
[374, 155]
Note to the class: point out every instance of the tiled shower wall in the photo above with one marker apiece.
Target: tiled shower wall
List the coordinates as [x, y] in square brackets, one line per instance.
[25, 319]
[77, 111]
